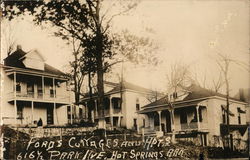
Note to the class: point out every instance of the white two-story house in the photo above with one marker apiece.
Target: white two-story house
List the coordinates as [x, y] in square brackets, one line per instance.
[32, 90]
[198, 115]
[121, 103]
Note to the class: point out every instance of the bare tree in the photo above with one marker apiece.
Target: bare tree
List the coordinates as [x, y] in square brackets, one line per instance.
[179, 76]
[218, 84]
[8, 35]
[224, 62]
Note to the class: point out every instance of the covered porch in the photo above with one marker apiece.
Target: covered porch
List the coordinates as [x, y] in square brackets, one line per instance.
[179, 119]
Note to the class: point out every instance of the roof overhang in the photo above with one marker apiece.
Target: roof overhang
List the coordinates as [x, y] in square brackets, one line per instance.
[232, 127]
[168, 106]
[11, 70]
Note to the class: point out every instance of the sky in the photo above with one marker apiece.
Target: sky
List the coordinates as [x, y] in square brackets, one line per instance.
[191, 32]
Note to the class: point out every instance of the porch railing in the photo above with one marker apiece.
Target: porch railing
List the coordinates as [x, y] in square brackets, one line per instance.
[39, 97]
[193, 125]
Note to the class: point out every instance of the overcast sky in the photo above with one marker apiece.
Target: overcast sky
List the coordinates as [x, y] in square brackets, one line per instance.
[190, 32]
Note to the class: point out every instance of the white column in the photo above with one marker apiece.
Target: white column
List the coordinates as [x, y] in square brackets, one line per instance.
[15, 103]
[111, 112]
[32, 112]
[159, 113]
[43, 90]
[71, 120]
[119, 121]
[198, 116]
[54, 96]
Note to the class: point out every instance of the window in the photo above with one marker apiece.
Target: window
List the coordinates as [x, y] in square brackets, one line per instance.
[107, 120]
[80, 113]
[239, 119]
[30, 89]
[137, 104]
[19, 112]
[117, 103]
[18, 87]
[39, 90]
[144, 123]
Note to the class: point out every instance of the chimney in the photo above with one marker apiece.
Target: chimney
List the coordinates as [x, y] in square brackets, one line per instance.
[18, 47]
[241, 94]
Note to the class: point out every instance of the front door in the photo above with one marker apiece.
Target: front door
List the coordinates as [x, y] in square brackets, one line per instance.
[168, 121]
[50, 116]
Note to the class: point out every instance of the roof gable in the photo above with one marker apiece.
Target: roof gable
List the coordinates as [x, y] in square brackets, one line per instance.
[17, 58]
[34, 54]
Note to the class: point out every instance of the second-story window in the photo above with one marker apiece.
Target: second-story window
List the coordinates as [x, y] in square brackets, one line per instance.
[30, 88]
[137, 104]
[39, 90]
[51, 91]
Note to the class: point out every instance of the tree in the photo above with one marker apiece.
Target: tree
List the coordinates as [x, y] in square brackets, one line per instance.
[179, 76]
[82, 20]
[224, 61]
[8, 35]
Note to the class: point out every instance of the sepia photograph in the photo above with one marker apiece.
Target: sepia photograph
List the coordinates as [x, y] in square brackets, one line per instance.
[125, 79]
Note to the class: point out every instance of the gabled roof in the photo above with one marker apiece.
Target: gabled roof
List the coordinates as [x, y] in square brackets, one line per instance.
[14, 60]
[118, 87]
[129, 86]
[196, 92]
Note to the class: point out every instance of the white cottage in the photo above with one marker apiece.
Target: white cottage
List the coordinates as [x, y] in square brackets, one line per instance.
[199, 116]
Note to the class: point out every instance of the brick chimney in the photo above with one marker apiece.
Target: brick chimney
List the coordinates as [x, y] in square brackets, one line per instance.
[18, 47]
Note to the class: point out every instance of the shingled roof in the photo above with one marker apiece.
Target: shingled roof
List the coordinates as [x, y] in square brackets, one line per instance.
[14, 60]
[129, 86]
[195, 92]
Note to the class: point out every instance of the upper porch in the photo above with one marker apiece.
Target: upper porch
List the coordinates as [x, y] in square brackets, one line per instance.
[26, 85]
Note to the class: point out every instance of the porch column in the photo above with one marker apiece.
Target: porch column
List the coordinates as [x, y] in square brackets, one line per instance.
[159, 113]
[119, 121]
[71, 120]
[15, 103]
[43, 90]
[198, 116]
[111, 112]
[54, 96]
[32, 112]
